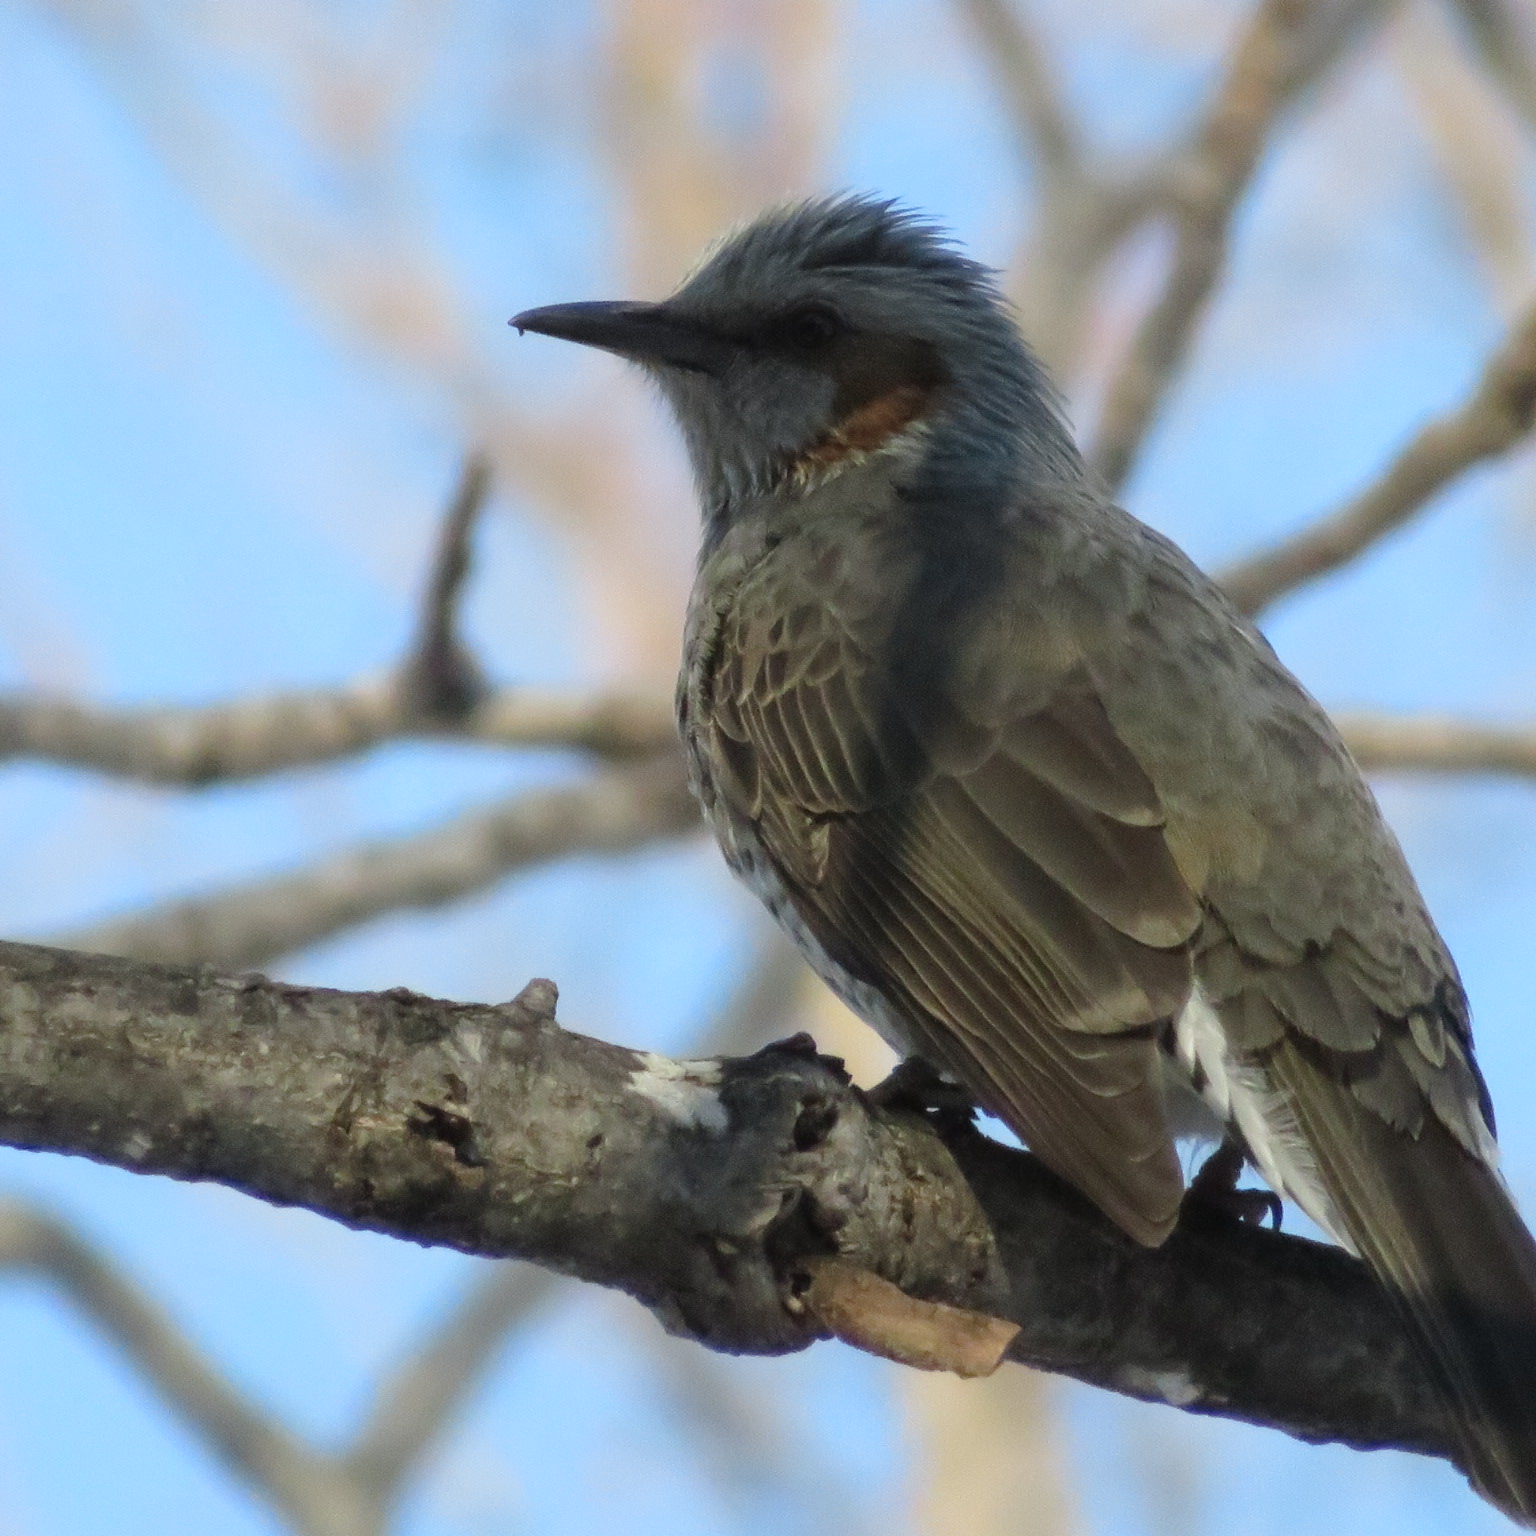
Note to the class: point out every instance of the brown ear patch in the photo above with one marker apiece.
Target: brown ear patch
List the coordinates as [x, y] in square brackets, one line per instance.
[868, 427]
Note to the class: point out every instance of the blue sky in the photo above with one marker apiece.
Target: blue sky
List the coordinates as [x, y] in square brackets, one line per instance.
[206, 487]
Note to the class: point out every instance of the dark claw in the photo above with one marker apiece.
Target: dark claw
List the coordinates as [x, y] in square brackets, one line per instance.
[800, 1044]
[1213, 1191]
[803, 1047]
[917, 1085]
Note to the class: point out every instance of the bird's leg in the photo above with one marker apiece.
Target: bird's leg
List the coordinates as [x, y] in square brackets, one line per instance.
[918, 1084]
[1214, 1191]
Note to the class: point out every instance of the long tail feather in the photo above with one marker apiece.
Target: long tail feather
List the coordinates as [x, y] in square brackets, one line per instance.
[1442, 1233]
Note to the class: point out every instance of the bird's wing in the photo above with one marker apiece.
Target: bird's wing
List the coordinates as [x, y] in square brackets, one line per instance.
[998, 875]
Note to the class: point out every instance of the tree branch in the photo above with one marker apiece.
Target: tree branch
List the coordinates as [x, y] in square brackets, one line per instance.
[701, 1188]
[251, 738]
[1437, 744]
[1042, 124]
[1498, 415]
[441, 680]
[279, 1466]
[253, 923]
[1478, 145]
[1504, 39]
[438, 690]
[1212, 177]
[353, 1490]
[1085, 211]
[417, 1400]
[318, 1493]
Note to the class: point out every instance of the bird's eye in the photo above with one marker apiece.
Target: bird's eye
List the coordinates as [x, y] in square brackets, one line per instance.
[811, 325]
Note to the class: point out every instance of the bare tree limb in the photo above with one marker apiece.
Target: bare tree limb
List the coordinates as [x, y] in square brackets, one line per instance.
[613, 725]
[1503, 35]
[418, 1399]
[1437, 744]
[1213, 176]
[251, 738]
[438, 690]
[1495, 417]
[1478, 145]
[701, 1188]
[1085, 211]
[351, 1492]
[1334, 31]
[1042, 124]
[209, 745]
[256, 922]
[293, 1478]
[316, 1492]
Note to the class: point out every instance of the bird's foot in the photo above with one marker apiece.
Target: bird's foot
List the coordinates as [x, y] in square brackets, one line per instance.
[918, 1085]
[804, 1046]
[1213, 1191]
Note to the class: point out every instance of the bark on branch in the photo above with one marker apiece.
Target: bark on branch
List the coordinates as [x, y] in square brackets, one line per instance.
[705, 1189]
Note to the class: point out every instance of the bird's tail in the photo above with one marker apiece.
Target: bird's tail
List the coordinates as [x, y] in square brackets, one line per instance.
[1441, 1232]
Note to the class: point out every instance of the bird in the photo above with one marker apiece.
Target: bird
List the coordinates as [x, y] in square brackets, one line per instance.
[1039, 803]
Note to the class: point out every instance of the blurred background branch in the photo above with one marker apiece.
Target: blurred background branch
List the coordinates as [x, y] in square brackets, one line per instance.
[316, 1492]
[258, 921]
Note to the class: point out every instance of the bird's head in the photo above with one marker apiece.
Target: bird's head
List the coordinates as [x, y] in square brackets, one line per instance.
[824, 333]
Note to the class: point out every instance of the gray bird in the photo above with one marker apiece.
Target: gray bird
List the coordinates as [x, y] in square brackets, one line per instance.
[1039, 804]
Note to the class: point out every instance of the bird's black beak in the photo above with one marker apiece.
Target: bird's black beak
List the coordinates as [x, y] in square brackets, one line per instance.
[645, 333]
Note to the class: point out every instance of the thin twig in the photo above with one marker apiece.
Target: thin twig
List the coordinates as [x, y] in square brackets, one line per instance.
[255, 922]
[437, 691]
[441, 680]
[1495, 417]
[1213, 177]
